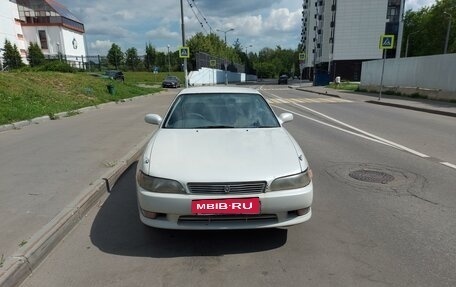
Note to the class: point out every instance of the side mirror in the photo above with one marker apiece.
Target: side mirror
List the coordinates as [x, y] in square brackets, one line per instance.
[285, 117]
[153, 119]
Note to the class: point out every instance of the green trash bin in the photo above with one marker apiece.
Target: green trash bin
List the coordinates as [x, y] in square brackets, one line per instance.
[111, 89]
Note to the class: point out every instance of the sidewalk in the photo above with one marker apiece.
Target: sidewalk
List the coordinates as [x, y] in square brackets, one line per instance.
[51, 172]
[423, 105]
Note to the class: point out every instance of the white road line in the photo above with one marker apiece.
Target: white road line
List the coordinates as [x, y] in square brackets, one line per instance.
[335, 127]
[398, 146]
[449, 164]
[305, 100]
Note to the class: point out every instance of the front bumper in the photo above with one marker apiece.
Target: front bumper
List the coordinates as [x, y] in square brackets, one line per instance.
[278, 209]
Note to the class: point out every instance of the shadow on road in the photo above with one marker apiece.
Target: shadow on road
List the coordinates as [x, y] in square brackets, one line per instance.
[118, 230]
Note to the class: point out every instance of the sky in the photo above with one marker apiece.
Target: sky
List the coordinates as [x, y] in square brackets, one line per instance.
[256, 23]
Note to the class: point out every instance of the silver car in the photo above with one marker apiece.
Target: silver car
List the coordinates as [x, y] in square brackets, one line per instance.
[221, 159]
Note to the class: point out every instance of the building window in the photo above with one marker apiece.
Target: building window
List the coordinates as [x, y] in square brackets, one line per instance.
[43, 39]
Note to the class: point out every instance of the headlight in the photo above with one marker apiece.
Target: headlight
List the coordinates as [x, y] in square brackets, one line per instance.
[292, 182]
[161, 185]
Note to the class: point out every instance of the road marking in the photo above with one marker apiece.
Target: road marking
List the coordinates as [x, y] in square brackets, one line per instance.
[368, 135]
[449, 164]
[275, 89]
[306, 100]
[335, 127]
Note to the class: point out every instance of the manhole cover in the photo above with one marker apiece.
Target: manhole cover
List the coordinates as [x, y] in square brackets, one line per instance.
[372, 176]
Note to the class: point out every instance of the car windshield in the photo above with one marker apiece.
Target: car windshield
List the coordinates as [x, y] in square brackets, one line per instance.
[171, 78]
[206, 111]
[111, 73]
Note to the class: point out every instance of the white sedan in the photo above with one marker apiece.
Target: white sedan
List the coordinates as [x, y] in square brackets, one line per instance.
[221, 159]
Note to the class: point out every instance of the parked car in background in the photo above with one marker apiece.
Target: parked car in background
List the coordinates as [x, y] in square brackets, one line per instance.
[171, 82]
[115, 75]
[283, 80]
[221, 159]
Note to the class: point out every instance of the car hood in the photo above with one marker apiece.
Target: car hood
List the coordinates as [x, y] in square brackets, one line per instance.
[223, 155]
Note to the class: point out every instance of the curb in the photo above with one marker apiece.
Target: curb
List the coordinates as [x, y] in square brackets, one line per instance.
[21, 265]
[320, 93]
[431, 111]
[438, 112]
[58, 116]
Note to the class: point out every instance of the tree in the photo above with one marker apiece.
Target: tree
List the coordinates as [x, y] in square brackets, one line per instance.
[132, 60]
[149, 60]
[35, 56]
[11, 56]
[115, 55]
[212, 45]
[426, 29]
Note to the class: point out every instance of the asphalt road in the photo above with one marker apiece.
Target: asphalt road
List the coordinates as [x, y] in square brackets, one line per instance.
[400, 232]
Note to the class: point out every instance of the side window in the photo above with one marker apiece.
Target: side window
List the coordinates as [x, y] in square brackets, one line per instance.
[43, 39]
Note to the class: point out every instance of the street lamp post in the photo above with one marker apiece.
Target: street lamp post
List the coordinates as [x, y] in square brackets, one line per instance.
[249, 46]
[407, 42]
[225, 31]
[226, 64]
[448, 32]
[169, 63]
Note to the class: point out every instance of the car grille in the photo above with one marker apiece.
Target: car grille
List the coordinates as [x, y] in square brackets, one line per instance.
[227, 188]
[261, 218]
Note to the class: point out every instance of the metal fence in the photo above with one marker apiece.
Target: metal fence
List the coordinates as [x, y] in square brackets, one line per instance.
[204, 60]
[99, 63]
[143, 63]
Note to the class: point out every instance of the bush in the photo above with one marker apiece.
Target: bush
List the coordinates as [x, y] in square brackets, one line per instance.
[56, 66]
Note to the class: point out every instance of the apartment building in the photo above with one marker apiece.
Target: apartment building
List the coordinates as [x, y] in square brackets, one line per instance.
[46, 22]
[337, 36]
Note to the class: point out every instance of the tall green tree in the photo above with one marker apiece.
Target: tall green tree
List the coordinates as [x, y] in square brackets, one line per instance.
[11, 56]
[212, 45]
[115, 55]
[425, 30]
[35, 56]
[149, 59]
[131, 59]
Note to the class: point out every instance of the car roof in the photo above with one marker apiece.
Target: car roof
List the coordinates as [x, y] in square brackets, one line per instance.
[217, 89]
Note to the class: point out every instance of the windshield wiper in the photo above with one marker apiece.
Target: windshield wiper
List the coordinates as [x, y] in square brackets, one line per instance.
[215, 127]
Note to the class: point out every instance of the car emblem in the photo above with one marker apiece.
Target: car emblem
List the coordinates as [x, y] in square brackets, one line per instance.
[227, 188]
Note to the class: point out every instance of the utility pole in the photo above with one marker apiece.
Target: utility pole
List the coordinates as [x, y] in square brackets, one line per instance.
[169, 62]
[401, 30]
[183, 42]
[448, 32]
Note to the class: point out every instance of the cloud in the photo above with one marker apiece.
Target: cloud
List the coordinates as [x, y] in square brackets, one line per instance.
[223, 8]
[126, 14]
[283, 20]
[101, 46]
[162, 33]
[417, 4]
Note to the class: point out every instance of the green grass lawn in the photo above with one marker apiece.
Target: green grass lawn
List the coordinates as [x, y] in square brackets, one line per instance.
[26, 95]
[149, 78]
[347, 86]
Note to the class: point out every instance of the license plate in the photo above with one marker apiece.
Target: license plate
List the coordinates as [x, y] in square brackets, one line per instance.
[226, 206]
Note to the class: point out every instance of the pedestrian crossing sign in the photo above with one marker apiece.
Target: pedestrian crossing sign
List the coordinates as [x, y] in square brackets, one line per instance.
[386, 41]
[302, 56]
[184, 52]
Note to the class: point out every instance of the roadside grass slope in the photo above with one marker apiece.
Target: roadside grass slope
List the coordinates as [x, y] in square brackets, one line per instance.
[26, 95]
